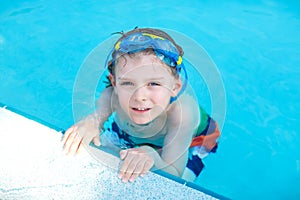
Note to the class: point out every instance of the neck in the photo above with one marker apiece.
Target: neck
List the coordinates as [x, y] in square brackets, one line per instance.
[147, 130]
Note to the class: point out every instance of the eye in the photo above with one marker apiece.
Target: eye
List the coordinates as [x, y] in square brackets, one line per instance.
[154, 84]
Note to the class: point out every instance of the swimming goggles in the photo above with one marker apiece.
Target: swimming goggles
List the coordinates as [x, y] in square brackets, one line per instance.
[164, 49]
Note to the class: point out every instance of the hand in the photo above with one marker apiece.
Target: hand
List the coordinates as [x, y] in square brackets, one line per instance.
[137, 162]
[78, 135]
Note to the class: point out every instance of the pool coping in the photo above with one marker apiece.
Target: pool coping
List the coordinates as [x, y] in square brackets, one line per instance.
[157, 171]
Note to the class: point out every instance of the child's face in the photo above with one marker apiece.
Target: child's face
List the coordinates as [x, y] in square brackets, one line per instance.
[144, 86]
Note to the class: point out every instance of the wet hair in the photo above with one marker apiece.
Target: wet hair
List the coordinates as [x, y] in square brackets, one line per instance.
[148, 51]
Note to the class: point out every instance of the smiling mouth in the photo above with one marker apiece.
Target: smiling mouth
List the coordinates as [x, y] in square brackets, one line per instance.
[141, 109]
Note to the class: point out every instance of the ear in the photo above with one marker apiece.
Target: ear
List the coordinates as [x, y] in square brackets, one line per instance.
[112, 80]
[177, 87]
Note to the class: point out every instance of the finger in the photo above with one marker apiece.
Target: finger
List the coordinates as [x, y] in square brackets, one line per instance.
[80, 148]
[75, 144]
[127, 161]
[123, 154]
[138, 170]
[69, 139]
[131, 169]
[67, 133]
[133, 177]
[147, 166]
[88, 136]
[72, 143]
[96, 141]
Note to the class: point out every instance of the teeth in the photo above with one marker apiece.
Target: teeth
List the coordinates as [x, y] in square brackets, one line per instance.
[141, 109]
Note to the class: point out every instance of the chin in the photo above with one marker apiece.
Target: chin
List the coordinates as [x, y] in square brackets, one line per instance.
[140, 121]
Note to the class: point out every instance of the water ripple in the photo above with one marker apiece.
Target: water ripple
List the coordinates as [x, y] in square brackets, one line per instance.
[22, 11]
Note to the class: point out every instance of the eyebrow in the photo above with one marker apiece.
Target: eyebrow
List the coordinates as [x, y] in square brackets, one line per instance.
[121, 78]
[156, 78]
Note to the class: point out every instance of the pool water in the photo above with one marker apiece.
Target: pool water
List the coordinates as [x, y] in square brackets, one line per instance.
[255, 44]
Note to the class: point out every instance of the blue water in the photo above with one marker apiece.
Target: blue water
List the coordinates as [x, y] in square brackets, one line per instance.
[255, 45]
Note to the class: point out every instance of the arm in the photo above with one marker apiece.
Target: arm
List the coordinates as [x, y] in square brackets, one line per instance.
[87, 129]
[104, 105]
[183, 120]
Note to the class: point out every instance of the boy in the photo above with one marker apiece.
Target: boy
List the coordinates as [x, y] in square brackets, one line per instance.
[151, 119]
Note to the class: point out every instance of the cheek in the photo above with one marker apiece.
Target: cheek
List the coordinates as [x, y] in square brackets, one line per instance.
[124, 97]
[161, 97]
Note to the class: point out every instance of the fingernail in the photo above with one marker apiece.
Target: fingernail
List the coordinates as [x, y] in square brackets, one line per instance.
[131, 180]
[122, 155]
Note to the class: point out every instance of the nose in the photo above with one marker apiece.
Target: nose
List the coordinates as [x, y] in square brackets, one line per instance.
[140, 94]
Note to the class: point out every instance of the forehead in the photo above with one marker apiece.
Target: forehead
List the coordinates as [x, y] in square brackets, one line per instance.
[141, 64]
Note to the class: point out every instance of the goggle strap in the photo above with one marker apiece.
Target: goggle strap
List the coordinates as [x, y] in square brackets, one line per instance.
[183, 86]
[108, 57]
[153, 36]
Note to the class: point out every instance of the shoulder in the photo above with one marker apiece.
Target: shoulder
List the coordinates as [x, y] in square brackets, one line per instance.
[185, 104]
[185, 110]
